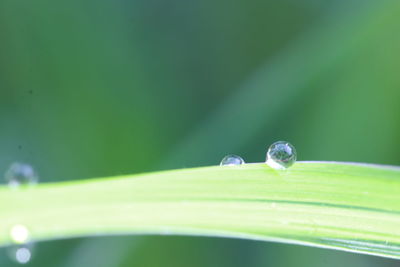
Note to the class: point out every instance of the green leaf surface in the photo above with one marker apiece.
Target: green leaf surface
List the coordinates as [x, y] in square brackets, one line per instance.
[345, 206]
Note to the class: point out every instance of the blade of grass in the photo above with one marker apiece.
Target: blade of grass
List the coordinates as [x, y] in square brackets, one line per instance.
[334, 205]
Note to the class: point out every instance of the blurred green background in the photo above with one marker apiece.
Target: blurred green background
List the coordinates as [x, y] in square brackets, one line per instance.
[100, 88]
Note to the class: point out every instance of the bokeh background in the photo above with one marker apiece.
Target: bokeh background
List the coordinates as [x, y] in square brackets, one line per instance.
[98, 88]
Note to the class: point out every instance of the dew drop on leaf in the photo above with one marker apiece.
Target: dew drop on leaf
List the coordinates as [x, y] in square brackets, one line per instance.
[20, 174]
[19, 234]
[281, 155]
[21, 251]
[231, 160]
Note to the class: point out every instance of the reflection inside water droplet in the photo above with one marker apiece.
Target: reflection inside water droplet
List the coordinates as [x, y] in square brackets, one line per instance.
[231, 160]
[281, 155]
[20, 174]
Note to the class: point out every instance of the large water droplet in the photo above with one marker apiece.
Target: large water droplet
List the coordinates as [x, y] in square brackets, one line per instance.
[231, 160]
[21, 251]
[281, 155]
[21, 174]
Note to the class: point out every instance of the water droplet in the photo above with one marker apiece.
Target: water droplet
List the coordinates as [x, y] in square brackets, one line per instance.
[231, 160]
[281, 155]
[19, 234]
[21, 252]
[20, 174]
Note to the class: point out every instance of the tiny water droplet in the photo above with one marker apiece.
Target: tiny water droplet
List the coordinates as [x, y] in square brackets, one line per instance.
[281, 155]
[19, 234]
[20, 174]
[231, 160]
[21, 251]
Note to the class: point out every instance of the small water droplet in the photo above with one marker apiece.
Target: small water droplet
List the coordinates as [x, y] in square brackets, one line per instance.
[21, 252]
[20, 174]
[19, 234]
[231, 160]
[281, 155]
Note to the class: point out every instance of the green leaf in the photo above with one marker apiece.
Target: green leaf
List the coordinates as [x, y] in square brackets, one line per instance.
[345, 206]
